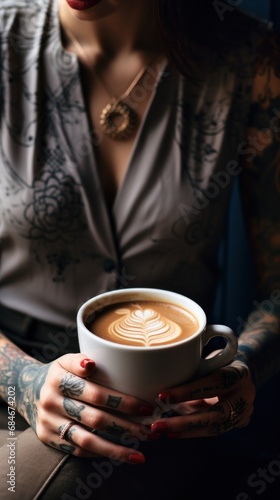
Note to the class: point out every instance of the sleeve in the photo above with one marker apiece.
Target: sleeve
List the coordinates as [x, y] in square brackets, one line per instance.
[259, 343]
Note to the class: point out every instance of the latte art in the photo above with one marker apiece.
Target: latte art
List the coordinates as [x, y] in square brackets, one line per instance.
[144, 323]
[144, 327]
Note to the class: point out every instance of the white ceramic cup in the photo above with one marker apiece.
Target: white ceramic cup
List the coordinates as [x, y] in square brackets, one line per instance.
[146, 371]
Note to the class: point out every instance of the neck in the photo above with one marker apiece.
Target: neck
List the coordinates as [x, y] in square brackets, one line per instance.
[126, 29]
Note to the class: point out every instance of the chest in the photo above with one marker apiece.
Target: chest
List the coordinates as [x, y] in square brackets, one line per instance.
[113, 154]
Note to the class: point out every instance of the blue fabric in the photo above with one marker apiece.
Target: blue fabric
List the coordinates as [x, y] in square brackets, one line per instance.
[234, 301]
[266, 9]
[235, 296]
[275, 14]
[259, 7]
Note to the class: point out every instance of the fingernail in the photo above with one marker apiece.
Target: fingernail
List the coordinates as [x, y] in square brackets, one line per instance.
[166, 397]
[86, 363]
[161, 427]
[136, 458]
[146, 410]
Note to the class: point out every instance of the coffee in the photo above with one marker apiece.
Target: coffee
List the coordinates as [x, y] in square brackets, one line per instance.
[144, 323]
[176, 322]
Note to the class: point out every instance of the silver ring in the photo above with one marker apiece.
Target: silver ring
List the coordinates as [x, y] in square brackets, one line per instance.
[65, 428]
[233, 414]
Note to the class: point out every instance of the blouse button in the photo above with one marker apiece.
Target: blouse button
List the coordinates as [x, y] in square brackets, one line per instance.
[109, 265]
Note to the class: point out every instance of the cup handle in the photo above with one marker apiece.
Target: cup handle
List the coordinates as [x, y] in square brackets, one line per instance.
[225, 356]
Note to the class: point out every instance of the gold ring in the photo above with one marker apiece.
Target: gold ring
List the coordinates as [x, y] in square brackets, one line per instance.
[233, 414]
[65, 428]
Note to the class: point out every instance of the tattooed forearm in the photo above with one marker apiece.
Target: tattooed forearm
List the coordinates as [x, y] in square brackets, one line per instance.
[26, 374]
[259, 343]
[259, 348]
[31, 381]
[12, 361]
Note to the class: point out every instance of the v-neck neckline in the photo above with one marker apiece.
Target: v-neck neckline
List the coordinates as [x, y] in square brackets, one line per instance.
[138, 137]
[137, 140]
[109, 221]
[86, 127]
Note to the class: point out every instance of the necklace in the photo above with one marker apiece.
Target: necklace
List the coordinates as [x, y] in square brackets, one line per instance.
[117, 120]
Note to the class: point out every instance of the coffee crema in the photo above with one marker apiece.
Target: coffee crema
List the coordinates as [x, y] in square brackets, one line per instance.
[144, 323]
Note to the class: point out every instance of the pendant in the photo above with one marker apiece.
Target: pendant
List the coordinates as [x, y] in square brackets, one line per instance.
[118, 120]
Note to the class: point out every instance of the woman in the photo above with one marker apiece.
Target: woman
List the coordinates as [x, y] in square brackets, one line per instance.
[123, 127]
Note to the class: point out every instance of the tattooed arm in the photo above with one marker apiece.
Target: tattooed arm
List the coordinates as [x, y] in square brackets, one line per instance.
[225, 399]
[50, 396]
[20, 371]
[259, 344]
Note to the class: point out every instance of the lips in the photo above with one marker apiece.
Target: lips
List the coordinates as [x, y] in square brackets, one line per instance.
[82, 4]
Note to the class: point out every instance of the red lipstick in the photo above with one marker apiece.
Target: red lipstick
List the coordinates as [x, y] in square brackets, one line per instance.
[82, 4]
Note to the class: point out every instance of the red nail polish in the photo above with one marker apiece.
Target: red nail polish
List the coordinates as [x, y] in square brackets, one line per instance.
[136, 458]
[86, 363]
[161, 427]
[166, 397]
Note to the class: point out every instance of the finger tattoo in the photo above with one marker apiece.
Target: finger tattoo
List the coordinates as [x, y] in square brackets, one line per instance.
[63, 447]
[113, 401]
[72, 386]
[73, 409]
[115, 430]
[231, 376]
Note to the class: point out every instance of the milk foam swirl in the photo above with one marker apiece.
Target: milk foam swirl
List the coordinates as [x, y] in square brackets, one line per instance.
[144, 327]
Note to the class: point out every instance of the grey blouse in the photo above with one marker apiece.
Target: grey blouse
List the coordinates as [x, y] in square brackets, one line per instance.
[59, 245]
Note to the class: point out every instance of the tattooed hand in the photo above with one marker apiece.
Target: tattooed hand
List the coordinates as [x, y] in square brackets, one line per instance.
[54, 395]
[209, 406]
[63, 406]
